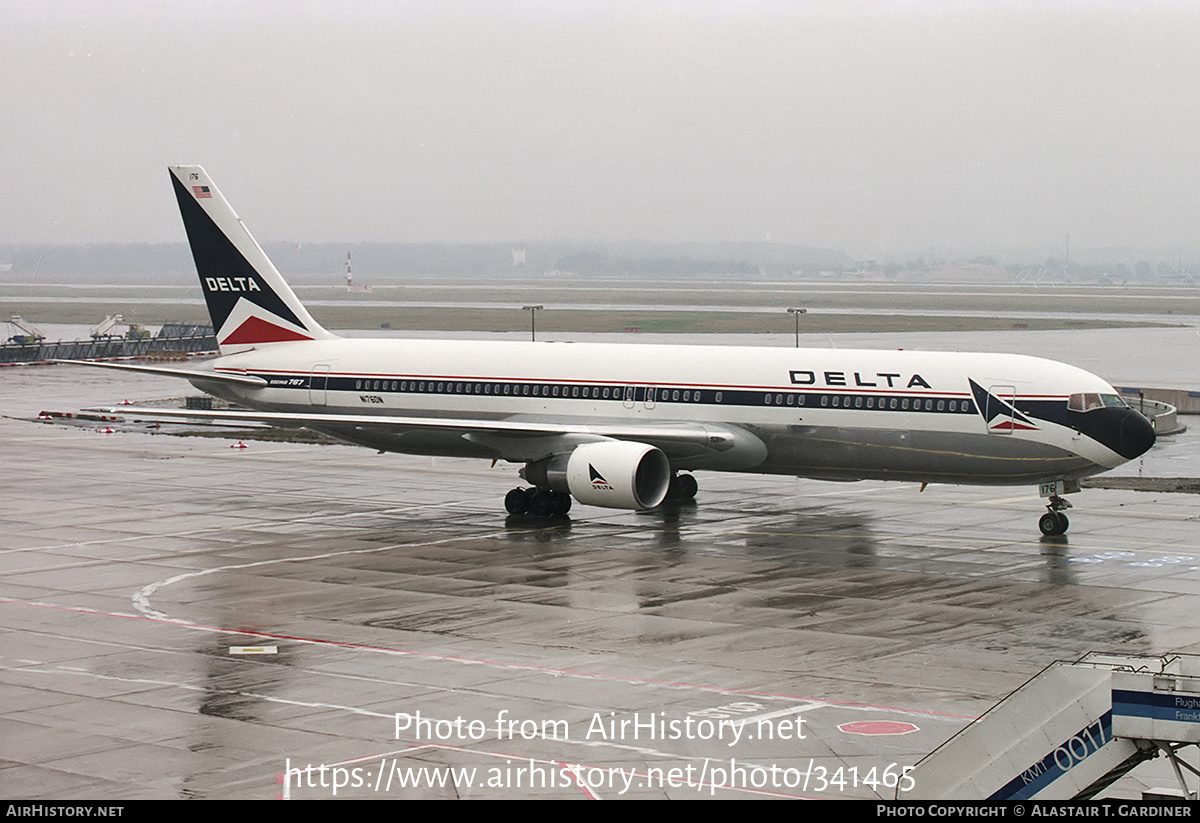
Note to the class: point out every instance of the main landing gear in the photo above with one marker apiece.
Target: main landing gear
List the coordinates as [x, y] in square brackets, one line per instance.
[1054, 522]
[682, 487]
[538, 502]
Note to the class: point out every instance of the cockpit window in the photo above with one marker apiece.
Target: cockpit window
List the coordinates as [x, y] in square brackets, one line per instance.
[1089, 402]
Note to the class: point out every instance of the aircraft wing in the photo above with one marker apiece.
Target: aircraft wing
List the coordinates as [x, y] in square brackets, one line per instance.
[708, 437]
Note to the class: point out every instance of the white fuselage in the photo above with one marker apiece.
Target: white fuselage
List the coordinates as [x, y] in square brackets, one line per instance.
[838, 414]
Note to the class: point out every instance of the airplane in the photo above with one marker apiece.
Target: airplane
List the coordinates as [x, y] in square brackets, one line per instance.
[623, 425]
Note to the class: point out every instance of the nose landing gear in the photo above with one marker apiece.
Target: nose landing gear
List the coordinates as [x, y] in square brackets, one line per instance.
[1054, 523]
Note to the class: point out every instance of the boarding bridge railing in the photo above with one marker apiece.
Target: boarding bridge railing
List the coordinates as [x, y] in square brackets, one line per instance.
[1070, 732]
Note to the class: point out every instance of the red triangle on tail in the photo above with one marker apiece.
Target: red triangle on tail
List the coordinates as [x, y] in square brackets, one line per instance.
[257, 330]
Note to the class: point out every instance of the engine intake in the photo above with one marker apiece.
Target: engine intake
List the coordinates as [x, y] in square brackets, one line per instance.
[617, 474]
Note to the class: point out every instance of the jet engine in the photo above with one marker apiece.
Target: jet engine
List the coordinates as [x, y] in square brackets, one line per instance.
[618, 474]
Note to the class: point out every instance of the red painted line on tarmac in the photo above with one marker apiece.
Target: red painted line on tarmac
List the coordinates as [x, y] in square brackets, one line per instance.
[342, 644]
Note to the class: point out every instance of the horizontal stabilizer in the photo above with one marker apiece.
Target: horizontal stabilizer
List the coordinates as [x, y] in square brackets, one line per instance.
[186, 374]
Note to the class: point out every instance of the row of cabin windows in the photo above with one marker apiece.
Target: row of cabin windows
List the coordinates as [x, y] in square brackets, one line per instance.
[664, 395]
[526, 390]
[871, 402]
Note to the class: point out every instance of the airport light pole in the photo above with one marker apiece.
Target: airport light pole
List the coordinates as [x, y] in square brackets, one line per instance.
[796, 313]
[533, 310]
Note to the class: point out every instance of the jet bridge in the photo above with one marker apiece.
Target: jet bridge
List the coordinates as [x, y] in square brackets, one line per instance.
[1070, 732]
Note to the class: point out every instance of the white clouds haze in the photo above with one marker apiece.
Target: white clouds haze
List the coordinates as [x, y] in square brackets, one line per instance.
[868, 126]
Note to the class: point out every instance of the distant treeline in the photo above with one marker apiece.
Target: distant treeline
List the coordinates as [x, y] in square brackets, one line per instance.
[171, 263]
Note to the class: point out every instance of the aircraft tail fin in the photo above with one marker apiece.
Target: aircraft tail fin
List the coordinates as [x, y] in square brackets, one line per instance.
[249, 301]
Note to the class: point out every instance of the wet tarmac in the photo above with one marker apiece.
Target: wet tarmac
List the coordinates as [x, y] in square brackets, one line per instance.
[182, 619]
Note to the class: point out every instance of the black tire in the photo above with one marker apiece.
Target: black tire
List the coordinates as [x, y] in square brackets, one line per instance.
[688, 487]
[1053, 524]
[541, 504]
[517, 501]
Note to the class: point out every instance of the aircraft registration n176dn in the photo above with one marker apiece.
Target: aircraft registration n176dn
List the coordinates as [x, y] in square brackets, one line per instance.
[614, 425]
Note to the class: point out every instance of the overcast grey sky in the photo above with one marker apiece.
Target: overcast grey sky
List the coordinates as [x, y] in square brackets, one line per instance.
[872, 127]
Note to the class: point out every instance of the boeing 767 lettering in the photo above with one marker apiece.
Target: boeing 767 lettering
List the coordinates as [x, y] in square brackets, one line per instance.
[620, 425]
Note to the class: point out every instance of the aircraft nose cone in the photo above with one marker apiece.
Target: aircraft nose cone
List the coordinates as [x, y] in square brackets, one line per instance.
[1122, 430]
[1135, 436]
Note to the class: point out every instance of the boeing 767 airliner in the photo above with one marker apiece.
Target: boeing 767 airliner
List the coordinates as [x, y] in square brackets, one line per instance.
[616, 424]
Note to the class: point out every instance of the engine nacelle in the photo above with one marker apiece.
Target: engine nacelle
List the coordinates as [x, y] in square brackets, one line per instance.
[618, 474]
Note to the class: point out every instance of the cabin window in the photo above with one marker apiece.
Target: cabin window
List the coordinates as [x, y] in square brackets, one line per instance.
[718, 397]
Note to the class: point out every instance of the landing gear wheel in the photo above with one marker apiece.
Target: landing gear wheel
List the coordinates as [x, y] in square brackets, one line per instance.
[682, 487]
[542, 503]
[1053, 523]
[537, 502]
[517, 501]
[546, 503]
